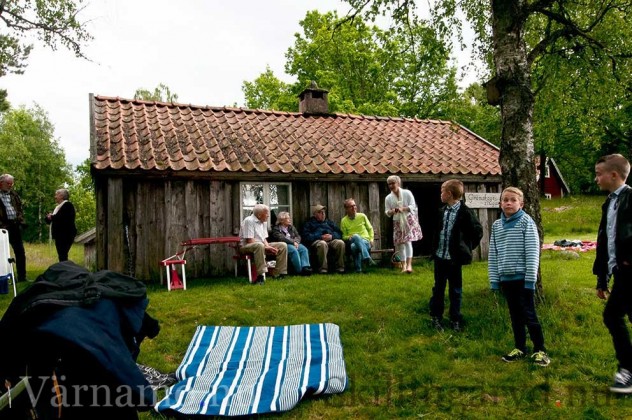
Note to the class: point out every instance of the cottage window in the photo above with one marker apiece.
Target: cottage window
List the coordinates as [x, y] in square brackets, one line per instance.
[277, 196]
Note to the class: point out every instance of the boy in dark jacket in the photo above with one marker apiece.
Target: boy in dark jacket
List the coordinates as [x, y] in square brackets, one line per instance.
[452, 248]
[614, 259]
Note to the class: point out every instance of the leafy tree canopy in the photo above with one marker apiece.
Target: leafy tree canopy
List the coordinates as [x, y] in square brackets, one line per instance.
[82, 197]
[33, 156]
[4, 103]
[268, 92]
[571, 95]
[365, 69]
[52, 22]
[161, 93]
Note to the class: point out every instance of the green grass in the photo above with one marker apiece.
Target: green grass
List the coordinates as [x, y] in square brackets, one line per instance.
[574, 217]
[398, 366]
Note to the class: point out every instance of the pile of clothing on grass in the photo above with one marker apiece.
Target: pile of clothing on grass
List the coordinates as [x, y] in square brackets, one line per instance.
[571, 245]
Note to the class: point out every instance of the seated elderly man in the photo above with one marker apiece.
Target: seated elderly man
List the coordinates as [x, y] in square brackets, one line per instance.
[325, 237]
[253, 234]
[357, 231]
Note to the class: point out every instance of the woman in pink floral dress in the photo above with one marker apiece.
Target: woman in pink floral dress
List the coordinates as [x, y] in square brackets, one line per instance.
[400, 205]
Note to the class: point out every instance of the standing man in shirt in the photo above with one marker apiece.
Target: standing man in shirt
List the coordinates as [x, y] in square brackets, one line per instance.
[12, 219]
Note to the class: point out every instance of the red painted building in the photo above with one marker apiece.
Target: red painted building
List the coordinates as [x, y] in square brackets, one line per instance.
[554, 184]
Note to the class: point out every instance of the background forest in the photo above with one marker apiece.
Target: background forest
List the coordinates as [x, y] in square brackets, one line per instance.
[579, 64]
[583, 108]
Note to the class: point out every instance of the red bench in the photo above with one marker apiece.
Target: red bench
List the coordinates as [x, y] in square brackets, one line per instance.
[179, 259]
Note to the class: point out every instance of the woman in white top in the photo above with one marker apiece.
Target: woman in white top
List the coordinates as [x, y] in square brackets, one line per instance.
[400, 205]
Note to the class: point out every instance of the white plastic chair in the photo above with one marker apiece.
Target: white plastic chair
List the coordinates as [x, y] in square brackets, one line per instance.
[6, 262]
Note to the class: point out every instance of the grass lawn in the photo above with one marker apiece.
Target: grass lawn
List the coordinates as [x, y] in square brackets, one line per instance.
[571, 217]
[398, 366]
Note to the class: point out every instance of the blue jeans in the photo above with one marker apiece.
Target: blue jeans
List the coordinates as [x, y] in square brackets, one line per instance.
[299, 258]
[360, 248]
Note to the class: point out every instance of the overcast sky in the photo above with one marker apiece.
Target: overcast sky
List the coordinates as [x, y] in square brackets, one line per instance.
[203, 50]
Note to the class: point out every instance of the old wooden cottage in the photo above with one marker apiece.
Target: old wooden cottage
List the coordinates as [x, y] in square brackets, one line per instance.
[167, 172]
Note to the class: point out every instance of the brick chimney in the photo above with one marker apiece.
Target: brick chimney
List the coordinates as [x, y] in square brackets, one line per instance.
[313, 100]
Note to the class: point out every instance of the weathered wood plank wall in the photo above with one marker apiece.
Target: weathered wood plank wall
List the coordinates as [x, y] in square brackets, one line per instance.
[115, 231]
[142, 221]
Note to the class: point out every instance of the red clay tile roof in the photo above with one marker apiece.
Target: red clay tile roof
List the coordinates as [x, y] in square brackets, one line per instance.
[135, 134]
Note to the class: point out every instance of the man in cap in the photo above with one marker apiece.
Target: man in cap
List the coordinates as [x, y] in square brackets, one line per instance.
[325, 237]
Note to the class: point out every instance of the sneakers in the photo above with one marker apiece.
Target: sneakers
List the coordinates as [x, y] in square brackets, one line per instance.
[540, 358]
[370, 262]
[515, 354]
[622, 382]
[436, 323]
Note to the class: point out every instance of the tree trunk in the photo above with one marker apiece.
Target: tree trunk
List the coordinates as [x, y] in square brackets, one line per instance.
[516, 101]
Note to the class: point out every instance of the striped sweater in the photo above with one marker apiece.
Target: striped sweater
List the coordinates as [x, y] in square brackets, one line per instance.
[514, 250]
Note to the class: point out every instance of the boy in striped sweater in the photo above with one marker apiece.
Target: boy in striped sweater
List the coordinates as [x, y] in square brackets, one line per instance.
[514, 256]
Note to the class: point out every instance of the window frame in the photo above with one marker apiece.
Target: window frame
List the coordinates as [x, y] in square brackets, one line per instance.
[243, 208]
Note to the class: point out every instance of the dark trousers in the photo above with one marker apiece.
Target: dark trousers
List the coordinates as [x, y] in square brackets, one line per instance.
[619, 304]
[15, 239]
[521, 304]
[450, 273]
[63, 247]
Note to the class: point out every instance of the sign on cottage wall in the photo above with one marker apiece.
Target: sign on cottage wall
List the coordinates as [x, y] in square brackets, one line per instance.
[482, 200]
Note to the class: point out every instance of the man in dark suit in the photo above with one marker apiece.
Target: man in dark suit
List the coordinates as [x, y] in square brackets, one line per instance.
[62, 221]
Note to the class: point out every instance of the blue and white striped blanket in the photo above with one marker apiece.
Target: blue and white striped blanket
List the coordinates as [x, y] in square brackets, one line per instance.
[236, 371]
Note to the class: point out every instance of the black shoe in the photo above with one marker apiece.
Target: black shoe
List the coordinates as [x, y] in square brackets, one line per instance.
[436, 323]
[306, 271]
[622, 382]
[456, 326]
[259, 280]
